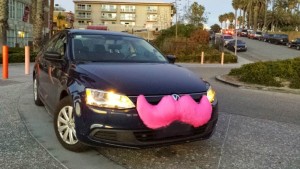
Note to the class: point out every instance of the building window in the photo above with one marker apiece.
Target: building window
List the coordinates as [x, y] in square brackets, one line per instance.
[152, 17]
[127, 16]
[84, 15]
[109, 16]
[111, 8]
[20, 11]
[152, 9]
[81, 22]
[84, 7]
[11, 9]
[128, 23]
[11, 37]
[127, 8]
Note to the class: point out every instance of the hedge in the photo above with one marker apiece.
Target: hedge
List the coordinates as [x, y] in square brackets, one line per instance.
[17, 55]
[272, 73]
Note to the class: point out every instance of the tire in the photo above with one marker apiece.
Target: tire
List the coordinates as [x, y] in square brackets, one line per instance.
[298, 47]
[36, 95]
[64, 123]
[289, 45]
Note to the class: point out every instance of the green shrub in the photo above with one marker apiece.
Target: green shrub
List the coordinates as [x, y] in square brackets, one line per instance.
[17, 55]
[272, 73]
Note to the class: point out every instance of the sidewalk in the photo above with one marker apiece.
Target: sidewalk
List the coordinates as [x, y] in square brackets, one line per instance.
[18, 148]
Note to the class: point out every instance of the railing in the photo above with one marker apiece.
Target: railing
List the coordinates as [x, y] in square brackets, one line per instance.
[83, 8]
[109, 9]
[83, 17]
[108, 18]
[127, 10]
[127, 18]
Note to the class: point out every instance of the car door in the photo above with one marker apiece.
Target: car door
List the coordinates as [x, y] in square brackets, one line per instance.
[56, 71]
[43, 64]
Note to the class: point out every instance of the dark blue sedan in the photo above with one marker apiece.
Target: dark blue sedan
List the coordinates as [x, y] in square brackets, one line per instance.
[91, 80]
[239, 45]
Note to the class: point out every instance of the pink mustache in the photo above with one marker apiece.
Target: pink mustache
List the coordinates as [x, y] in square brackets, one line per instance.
[169, 110]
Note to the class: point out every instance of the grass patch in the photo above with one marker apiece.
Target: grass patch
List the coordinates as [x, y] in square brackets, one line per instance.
[285, 73]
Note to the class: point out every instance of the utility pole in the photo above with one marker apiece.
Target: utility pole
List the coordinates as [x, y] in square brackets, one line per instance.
[176, 19]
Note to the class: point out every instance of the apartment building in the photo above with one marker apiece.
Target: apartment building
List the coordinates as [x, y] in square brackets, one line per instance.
[20, 25]
[122, 15]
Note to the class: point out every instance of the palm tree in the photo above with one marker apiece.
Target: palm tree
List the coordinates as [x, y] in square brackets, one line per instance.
[231, 17]
[3, 20]
[221, 20]
[235, 5]
[225, 19]
[38, 24]
[59, 18]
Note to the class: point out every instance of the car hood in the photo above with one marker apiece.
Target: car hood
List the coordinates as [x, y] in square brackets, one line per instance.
[133, 79]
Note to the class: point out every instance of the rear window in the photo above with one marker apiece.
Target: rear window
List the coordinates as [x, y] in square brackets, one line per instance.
[227, 37]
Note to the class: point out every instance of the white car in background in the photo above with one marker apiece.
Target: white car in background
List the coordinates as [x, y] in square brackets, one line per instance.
[226, 39]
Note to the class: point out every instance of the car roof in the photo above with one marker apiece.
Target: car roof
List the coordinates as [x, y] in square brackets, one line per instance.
[98, 32]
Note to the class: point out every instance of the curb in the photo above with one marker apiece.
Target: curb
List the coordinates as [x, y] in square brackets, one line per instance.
[222, 79]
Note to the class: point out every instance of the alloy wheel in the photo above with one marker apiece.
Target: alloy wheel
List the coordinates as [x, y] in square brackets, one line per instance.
[66, 125]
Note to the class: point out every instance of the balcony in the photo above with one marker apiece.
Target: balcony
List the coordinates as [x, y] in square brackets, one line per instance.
[108, 18]
[83, 9]
[151, 10]
[127, 18]
[83, 17]
[152, 19]
[127, 10]
[109, 9]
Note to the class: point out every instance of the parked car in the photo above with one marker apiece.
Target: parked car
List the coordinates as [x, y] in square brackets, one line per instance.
[256, 35]
[107, 88]
[241, 45]
[226, 38]
[243, 33]
[265, 37]
[277, 39]
[294, 44]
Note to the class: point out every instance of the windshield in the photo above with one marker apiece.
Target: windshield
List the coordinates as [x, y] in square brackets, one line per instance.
[114, 48]
[228, 37]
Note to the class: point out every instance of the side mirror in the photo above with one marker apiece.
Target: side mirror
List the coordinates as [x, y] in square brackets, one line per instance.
[53, 56]
[171, 58]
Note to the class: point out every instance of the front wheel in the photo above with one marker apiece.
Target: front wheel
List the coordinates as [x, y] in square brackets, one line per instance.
[64, 126]
[298, 48]
[36, 95]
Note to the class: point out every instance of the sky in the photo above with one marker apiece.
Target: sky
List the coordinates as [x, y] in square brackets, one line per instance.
[213, 8]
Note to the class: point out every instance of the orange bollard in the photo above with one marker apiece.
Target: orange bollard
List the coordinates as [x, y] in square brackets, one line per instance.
[4, 62]
[27, 60]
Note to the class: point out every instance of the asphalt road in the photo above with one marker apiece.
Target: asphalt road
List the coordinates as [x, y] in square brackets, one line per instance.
[262, 51]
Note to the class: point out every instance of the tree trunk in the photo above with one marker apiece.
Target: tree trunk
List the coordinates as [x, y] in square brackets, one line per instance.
[256, 8]
[38, 26]
[51, 18]
[265, 17]
[3, 20]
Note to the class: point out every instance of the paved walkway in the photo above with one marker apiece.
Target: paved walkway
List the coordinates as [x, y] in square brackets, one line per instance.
[18, 149]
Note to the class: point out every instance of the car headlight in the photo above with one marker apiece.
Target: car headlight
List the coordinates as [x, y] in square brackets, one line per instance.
[211, 94]
[106, 99]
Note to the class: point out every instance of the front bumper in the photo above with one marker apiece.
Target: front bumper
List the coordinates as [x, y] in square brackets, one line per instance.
[126, 129]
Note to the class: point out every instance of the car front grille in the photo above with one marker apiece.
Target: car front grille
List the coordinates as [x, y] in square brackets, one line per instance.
[106, 135]
[174, 131]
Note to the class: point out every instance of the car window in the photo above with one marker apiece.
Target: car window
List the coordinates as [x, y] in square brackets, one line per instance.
[60, 45]
[50, 46]
[114, 48]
